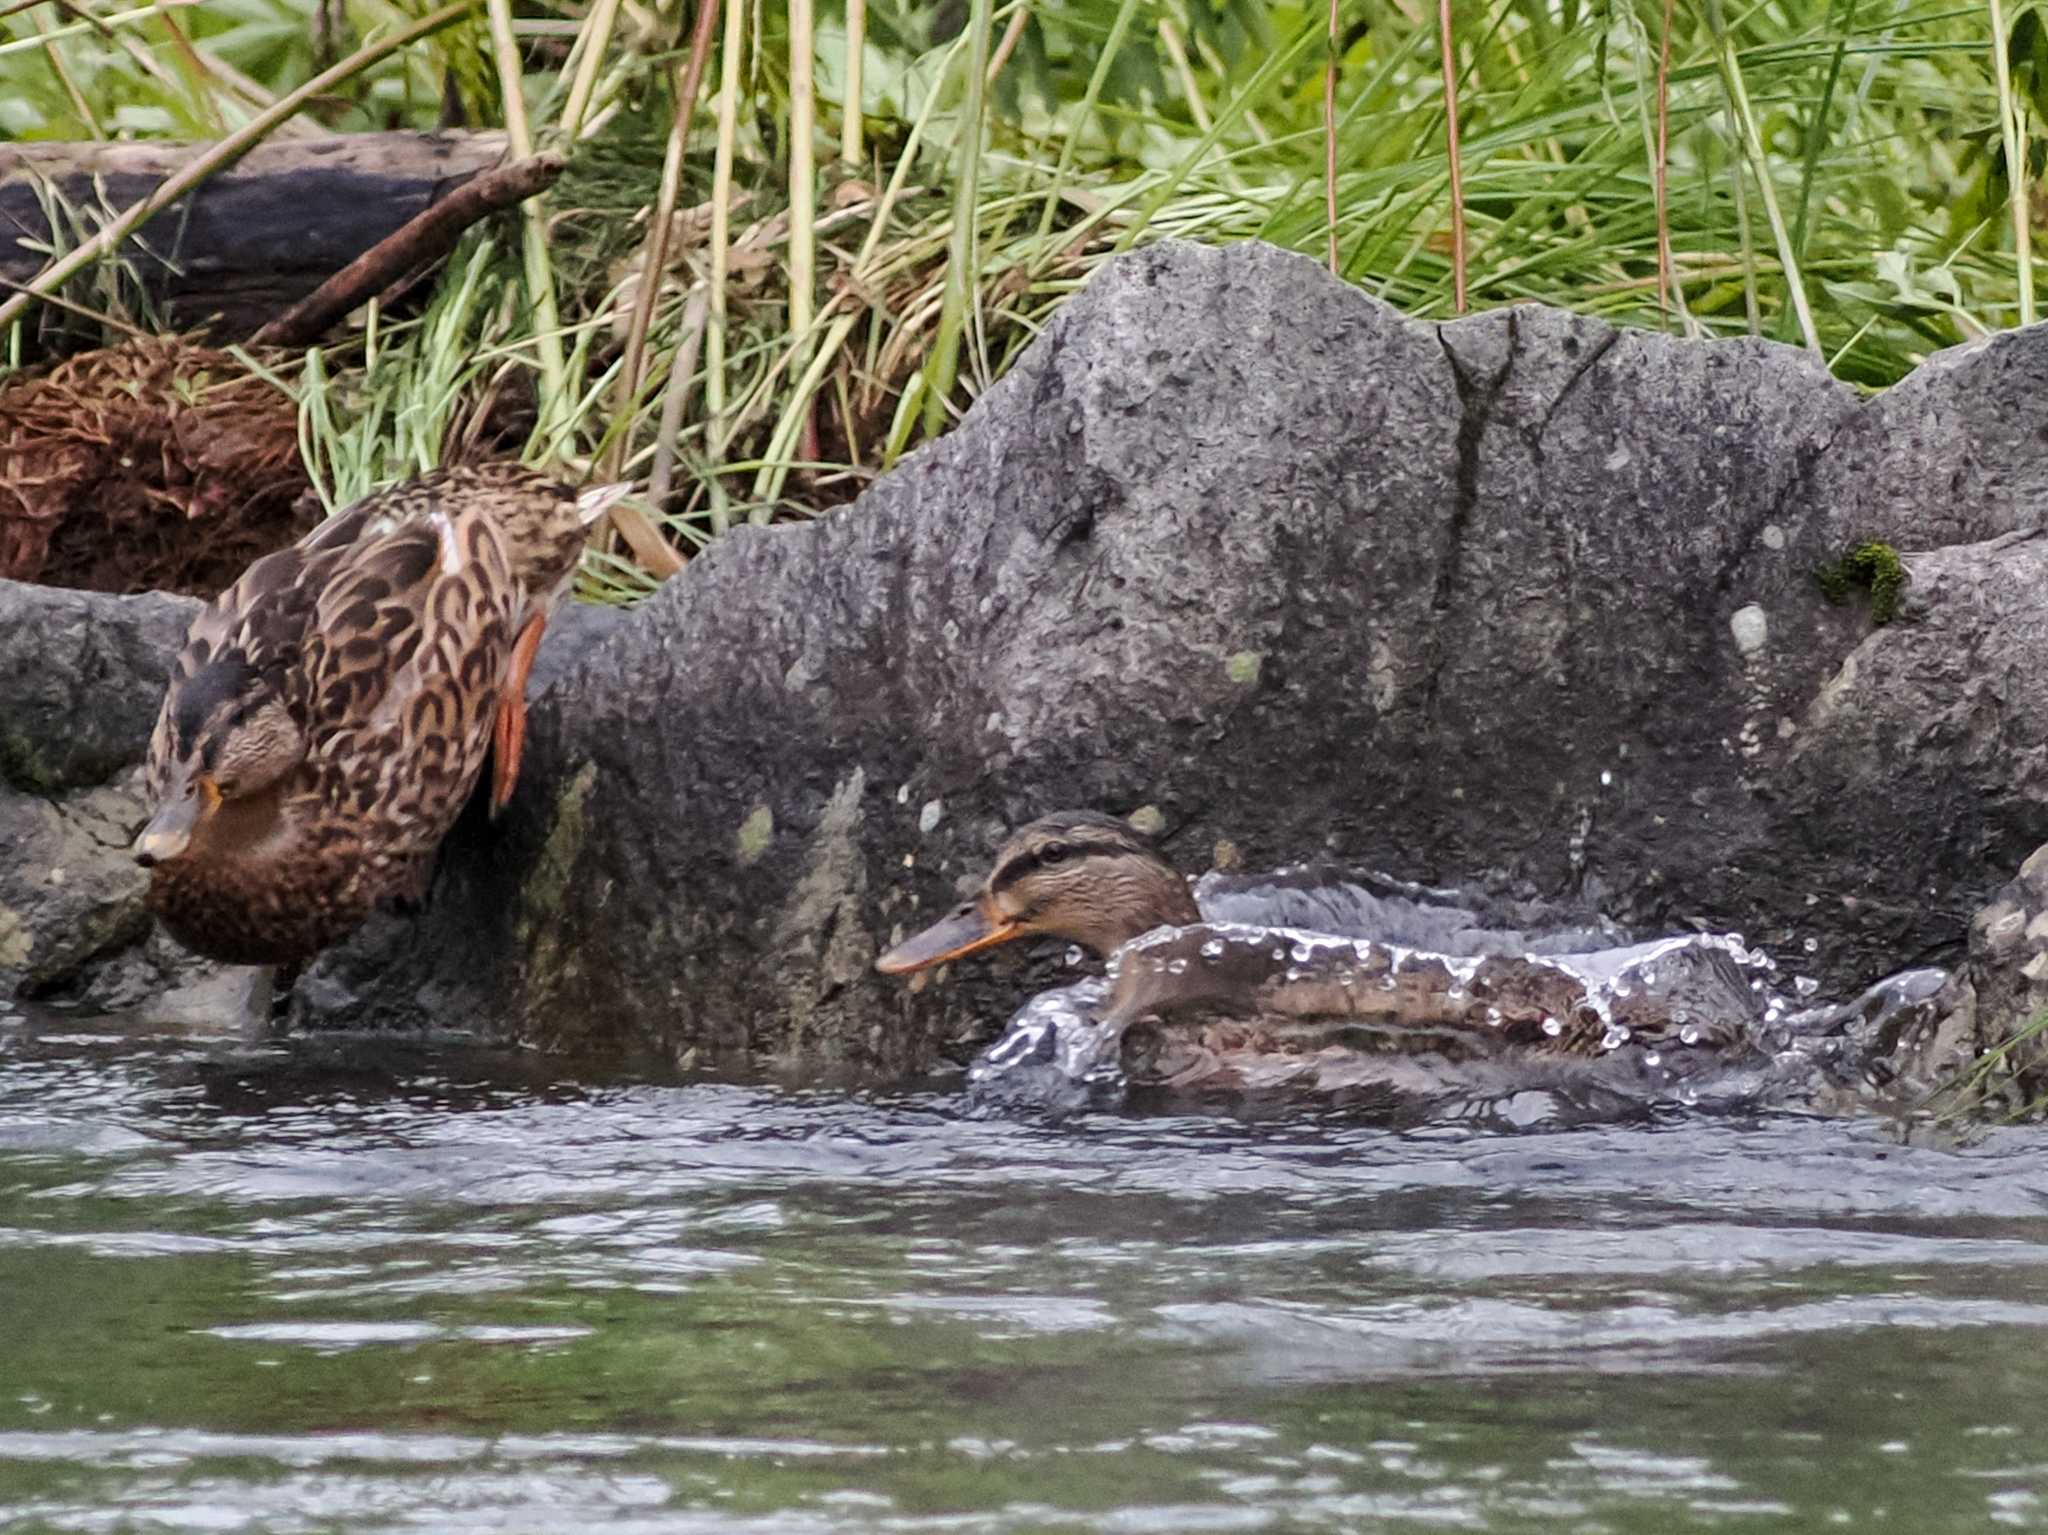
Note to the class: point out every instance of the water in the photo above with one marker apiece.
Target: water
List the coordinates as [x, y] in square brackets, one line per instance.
[361, 1286]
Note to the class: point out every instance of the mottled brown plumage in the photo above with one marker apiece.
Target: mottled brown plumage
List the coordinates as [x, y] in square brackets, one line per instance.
[332, 710]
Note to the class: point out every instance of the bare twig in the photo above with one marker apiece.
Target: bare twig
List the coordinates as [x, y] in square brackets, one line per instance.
[675, 399]
[79, 104]
[1008, 43]
[97, 316]
[1443, 14]
[426, 236]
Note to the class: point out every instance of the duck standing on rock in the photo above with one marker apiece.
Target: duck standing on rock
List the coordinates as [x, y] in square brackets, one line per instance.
[331, 711]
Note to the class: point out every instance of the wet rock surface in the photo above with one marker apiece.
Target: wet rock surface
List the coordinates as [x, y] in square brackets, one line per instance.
[1519, 604]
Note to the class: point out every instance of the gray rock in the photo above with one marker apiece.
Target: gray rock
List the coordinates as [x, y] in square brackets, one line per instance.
[1518, 603]
[81, 676]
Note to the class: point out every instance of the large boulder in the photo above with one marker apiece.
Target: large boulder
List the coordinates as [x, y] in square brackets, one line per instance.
[1518, 602]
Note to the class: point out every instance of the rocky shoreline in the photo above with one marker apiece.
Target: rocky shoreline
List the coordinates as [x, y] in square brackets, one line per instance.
[1519, 603]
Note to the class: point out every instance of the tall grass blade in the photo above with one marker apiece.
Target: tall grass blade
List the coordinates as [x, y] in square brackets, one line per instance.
[1330, 139]
[2012, 131]
[540, 272]
[850, 114]
[943, 368]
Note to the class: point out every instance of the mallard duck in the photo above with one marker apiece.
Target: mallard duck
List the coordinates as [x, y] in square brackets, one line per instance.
[332, 710]
[1307, 971]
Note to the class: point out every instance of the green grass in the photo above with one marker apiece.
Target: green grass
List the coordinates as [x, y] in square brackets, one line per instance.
[1837, 179]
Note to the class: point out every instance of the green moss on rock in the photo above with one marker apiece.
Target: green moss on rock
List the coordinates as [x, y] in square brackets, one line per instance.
[1871, 567]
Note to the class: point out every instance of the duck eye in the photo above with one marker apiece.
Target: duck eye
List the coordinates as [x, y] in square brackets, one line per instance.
[1055, 852]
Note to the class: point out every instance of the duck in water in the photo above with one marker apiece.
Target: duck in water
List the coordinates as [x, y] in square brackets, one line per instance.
[1319, 976]
[332, 711]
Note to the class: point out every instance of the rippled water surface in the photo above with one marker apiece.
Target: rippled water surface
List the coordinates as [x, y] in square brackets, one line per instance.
[361, 1286]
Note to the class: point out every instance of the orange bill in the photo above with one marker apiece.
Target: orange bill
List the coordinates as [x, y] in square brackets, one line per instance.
[508, 732]
[964, 931]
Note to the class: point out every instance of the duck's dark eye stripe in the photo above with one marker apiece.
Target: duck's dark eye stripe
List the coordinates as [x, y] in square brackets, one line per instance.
[1044, 857]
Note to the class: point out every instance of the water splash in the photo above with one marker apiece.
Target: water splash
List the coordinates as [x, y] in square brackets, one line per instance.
[1229, 1002]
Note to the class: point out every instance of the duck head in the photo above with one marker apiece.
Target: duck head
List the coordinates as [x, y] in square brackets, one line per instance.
[1089, 879]
[227, 747]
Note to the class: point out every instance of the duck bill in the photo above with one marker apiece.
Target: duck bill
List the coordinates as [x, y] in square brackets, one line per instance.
[170, 831]
[965, 931]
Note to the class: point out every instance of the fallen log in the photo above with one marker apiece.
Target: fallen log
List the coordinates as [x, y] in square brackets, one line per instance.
[253, 240]
[424, 238]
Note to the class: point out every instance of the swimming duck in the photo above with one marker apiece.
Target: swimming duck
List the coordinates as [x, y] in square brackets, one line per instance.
[332, 710]
[1319, 965]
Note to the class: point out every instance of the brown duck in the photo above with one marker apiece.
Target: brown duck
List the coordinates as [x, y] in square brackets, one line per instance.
[1312, 967]
[331, 711]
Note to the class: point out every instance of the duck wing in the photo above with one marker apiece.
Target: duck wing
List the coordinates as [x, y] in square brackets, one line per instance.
[408, 640]
[386, 632]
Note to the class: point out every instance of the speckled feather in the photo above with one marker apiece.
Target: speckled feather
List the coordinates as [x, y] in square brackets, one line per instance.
[387, 633]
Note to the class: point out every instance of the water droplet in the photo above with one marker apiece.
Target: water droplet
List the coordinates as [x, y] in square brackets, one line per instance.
[1213, 949]
[1615, 1037]
[1653, 1059]
[1074, 955]
[1299, 953]
[1279, 954]
[1177, 967]
[1553, 1027]
[1455, 995]
[1689, 1035]
[1388, 983]
[1805, 985]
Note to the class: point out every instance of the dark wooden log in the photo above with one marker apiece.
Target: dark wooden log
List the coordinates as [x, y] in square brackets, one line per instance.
[422, 239]
[253, 240]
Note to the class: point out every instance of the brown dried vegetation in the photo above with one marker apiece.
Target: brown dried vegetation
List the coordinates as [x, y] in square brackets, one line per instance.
[156, 464]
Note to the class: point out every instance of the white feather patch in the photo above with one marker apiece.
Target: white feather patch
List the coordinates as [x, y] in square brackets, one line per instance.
[596, 500]
[451, 547]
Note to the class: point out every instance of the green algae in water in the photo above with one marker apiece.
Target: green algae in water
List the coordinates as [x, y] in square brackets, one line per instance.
[1871, 567]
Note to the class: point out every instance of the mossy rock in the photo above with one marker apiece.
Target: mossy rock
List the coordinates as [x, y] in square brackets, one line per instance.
[1874, 568]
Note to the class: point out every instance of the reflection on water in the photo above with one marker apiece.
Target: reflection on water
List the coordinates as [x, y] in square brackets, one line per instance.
[359, 1286]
